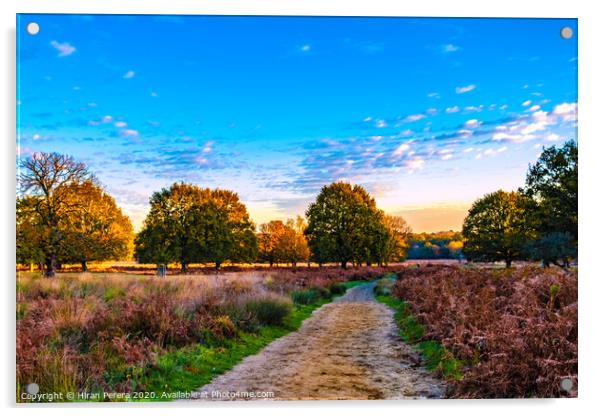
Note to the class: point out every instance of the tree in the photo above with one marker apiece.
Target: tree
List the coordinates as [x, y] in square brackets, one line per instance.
[293, 243]
[268, 240]
[98, 230]
[280, 242]
[189, 224]
[553, 246]
[45, 182]
[399, 233]
[498, 226]
[342, 225]
[29, 232]
[552, 183]
[229, 233]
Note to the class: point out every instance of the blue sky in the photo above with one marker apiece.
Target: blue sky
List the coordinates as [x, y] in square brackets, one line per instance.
[428, 114]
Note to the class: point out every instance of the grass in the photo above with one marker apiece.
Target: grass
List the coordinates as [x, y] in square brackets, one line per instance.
[436, 358]
[353, 283]
[189, 368]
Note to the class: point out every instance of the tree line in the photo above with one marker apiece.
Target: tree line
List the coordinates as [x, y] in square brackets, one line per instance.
[65, 216]
[537, 222]
[437, 245]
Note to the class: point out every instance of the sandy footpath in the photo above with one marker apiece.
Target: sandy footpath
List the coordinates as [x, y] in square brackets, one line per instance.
[348, 349]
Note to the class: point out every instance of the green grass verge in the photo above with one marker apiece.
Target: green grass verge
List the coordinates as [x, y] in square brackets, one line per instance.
[189, 368]
[353, 283]
[435, 356]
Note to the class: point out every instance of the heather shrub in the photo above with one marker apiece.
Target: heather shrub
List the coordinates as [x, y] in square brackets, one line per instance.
[515, 331]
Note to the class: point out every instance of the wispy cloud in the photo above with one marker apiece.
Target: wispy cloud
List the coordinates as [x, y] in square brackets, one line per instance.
[465, 89]
[449, 47]
[129, 74]
[413, 117]
[64, 49]
[129, 133]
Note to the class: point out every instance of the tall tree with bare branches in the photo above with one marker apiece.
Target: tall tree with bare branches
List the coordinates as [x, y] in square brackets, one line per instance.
[46, 179]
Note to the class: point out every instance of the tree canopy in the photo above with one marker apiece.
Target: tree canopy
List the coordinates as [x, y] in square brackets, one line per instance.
[552, 183]
[344, 225]
[497, 227]
[281, 242]
[49, 209]
[189, 224]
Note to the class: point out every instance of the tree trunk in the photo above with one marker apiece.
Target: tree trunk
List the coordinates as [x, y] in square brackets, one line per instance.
[184, 268]
[50, 266]
[84, 266]
[271, 263]
[344, 264]
[508, 263]
[217, 265]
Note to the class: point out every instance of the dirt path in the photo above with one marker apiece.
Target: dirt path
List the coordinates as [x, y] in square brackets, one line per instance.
[347, 349]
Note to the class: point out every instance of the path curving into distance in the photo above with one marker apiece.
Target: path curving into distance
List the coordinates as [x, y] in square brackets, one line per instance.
[348, 349]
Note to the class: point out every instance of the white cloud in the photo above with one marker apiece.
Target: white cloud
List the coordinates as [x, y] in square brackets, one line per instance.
[406, 132]
[447, 156]
[431, 111]
[552, 137]
[467, 88]
[526, 103]
[400, 150]
[129, 133]
[453, 109]
[64, 49]
[540, 116]
[129, 74]
[107, 119]
[517, 138]
[305, 48]
[154, 94]
[380, 124]
[448, 48]
[568, 111]
[120, 124]
[472, 123]
[433, 95]
[468, 150]
[474, 109]
[534, 108]
[413, 117]
[414, 163]
[207, 147]
[200, 160]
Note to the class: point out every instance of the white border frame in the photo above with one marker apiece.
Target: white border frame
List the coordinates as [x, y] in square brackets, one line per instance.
[590, 146]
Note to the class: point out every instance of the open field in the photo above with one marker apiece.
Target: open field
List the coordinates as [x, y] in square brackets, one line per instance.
[483, 331]
[115, 332]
